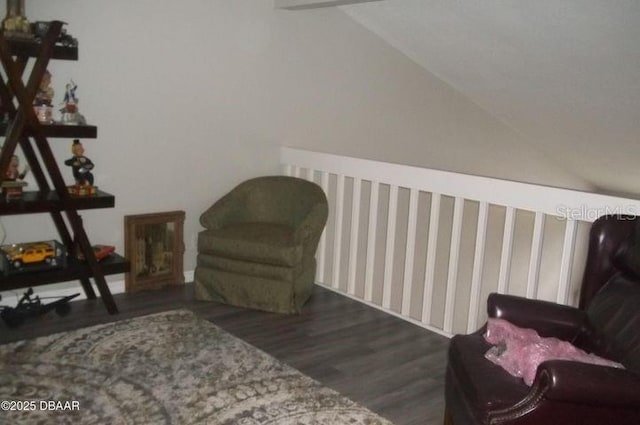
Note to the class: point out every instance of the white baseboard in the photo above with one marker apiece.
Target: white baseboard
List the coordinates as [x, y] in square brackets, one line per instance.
[10, 298]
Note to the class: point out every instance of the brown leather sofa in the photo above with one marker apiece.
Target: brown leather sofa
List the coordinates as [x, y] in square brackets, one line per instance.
[606, 323]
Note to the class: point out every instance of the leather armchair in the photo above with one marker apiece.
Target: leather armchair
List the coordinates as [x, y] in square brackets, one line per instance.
[259, 243]
[607, 323]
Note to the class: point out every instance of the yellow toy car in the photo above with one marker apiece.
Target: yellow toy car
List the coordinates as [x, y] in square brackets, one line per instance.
[31, 253]
[31, 256]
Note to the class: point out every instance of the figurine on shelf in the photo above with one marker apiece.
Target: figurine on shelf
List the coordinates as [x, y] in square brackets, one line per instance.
[44, 95]
[13, 172]
[70, 114]
[12, 183]
[70, 99]
[40, 29]
[16, 24]
[81, 166]
[42, 104]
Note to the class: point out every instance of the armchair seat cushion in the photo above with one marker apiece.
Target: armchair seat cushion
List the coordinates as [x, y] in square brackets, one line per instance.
[261, 293]
[485, 386]
[247, 268]
[267, 243]
[521, 350]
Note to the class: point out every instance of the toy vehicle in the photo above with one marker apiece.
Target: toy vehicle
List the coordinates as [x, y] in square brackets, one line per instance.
[100, 251]
[28, 307]
[32, 256]
[31, 253]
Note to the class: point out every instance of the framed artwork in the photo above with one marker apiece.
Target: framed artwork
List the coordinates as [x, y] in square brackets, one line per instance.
[154, 246]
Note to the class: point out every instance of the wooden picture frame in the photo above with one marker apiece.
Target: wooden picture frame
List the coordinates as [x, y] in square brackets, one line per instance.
[154, 246]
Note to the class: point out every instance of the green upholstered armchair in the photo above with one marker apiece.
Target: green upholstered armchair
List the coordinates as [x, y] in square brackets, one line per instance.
[259, 243]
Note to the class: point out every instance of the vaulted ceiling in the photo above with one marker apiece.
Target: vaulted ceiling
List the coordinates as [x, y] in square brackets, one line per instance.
[566, 74]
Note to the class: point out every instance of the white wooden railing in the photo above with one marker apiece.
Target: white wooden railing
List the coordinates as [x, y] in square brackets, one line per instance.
[429, 246]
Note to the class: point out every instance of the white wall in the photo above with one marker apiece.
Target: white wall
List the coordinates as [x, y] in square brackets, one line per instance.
[192, 97]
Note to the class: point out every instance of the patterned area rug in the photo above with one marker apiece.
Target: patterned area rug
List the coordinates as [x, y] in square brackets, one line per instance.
[167, 368]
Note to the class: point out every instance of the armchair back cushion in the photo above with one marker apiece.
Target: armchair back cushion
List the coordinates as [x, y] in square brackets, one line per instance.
[270, 199]
[613, 329]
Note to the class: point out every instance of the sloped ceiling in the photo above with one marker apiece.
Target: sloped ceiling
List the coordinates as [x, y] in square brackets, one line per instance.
[564, 73]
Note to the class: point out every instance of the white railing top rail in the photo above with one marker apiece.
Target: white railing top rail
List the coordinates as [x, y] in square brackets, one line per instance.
[566, 203]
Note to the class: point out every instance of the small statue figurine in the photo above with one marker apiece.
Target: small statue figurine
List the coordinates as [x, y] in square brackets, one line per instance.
[42, 104]
[70, 114]
[45, 92]
[16, 24]
[81, 166]
[12, 183]
[70, 99]
[13, 173]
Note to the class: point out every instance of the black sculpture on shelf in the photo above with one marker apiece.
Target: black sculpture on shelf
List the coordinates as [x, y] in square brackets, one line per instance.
[81, 166]
[33, 307]
[40, 28]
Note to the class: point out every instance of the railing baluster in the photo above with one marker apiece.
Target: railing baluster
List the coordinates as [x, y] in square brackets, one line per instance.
[390, 246]
[353, 241]
[536, 253]
[371, 240]
[430, 265]
[311, 174]
[568, 249]
[337, 238]
[478, 264]
[311, 177]
[454, 256]
[507, 250]
[322, 245]
[287, 169]
[412, 223]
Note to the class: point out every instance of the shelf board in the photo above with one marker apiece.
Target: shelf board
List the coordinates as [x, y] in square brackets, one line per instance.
[31, 48]
[69, 131]
[75, 270]
[40, 202]
[60, 131]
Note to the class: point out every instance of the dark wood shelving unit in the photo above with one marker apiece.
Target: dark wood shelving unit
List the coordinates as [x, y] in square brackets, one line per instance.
[42, 202]
[31, 48]
[23, 129]
[74, 270]
[59, 131]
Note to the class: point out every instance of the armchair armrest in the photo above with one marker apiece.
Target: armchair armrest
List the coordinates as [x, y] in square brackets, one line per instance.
[312, 225]
[547, 318]
[224, 211]
[589, 384]
[576, 393]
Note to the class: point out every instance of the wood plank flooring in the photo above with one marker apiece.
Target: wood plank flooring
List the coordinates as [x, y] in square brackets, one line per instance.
[391, 366]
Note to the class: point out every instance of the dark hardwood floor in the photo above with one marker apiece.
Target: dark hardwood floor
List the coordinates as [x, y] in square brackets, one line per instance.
[391, 366]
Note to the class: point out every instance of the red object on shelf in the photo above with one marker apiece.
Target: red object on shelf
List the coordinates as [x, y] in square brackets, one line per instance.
[100, 251]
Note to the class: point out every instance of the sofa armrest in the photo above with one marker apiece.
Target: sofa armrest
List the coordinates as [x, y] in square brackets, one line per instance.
[590, 384]
[547, 318]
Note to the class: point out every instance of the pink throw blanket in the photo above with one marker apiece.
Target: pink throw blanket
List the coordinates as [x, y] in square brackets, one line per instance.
[519, 351]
